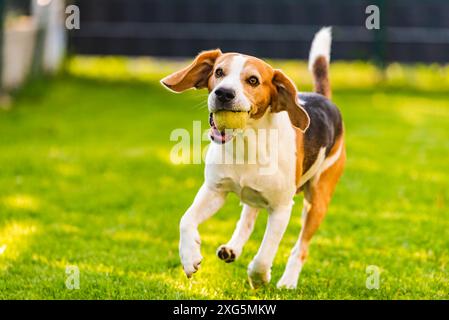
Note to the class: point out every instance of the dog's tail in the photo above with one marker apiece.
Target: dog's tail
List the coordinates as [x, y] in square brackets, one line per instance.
[319, 59]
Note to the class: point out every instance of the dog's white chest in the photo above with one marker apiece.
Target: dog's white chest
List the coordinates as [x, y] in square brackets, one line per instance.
[267, 183]
[254, 192]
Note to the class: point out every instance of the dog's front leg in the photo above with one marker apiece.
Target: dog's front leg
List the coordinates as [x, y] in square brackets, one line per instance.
[259, 270]
[206, 203]
[232, 250]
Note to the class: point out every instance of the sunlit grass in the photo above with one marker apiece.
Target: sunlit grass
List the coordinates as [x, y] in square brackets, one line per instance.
[14, 238]
[355, 75]
[21, 202]
[87, 180]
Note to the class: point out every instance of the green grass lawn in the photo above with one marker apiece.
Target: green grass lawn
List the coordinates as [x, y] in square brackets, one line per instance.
[86, 180]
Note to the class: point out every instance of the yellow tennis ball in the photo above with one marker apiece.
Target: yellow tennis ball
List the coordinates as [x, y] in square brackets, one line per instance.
[230, 120]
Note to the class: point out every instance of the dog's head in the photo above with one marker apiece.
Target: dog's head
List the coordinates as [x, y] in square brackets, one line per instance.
[242, 83]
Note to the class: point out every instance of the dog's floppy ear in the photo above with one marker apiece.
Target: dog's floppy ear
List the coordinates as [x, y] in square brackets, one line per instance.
[195, 75]
[285, 98]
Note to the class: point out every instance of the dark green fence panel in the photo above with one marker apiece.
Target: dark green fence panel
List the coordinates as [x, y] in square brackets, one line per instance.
[412, 30]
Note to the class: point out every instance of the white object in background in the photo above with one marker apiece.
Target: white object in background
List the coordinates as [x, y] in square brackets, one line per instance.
[18, 47]
[50, 15]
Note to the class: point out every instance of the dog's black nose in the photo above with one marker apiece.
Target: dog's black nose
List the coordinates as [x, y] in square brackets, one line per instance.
[224, 94]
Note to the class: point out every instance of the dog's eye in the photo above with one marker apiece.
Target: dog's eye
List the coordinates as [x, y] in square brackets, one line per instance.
[219, 73]
[253, 81]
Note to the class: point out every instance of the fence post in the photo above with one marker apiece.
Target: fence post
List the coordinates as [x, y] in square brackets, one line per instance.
[40, 14]
[380, 36]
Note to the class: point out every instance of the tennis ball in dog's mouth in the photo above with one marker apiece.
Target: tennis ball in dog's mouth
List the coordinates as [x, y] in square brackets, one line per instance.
[230, 119]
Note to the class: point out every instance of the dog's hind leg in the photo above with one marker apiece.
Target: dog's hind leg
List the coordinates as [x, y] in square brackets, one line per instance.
[259, 270]
[317, 195]
[232, 250]
[207, 202]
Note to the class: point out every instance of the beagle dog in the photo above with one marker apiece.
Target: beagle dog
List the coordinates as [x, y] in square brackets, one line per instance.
[310, 153]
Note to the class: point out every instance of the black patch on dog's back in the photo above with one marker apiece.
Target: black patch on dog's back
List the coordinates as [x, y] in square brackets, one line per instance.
[325, 126]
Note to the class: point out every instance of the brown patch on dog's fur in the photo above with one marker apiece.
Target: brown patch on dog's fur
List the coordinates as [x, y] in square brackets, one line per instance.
[260, 96]
[194, 75]
[321, 77]
[286, 99]
[299, 155]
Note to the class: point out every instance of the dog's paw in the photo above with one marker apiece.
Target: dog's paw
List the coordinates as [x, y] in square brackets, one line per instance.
[227, 254]
[191, 266]
[258, 276]
[289, 279]
[287, 283]
[190, 254]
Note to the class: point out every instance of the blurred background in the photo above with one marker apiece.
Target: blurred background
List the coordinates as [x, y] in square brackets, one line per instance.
[86, 178]
[35, 36]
